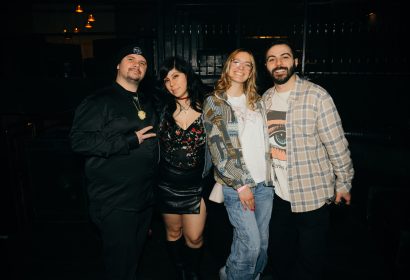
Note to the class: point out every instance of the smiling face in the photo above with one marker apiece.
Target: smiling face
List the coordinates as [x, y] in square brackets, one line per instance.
[240, 67]
[176, 83]
[280, 63]
[132, 68]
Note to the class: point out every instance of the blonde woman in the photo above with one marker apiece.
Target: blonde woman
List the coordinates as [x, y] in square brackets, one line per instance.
[235, 125]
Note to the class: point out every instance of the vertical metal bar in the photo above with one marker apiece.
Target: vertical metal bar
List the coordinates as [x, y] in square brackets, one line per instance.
[183, 36]
[160, 35]
[304, 36]
[194, 46]
[189, 38]
[238, 27]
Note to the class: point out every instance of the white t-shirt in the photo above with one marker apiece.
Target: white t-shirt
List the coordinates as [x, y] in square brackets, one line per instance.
[276, 116]
[251, 136]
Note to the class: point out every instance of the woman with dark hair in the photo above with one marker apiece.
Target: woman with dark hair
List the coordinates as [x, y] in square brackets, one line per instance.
[183, 170]
[237, 136]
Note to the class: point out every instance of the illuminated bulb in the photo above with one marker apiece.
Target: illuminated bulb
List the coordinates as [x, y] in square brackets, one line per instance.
[79, 9]
[91, 18]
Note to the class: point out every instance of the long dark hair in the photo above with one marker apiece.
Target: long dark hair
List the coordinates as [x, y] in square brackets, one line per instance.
[196, 89]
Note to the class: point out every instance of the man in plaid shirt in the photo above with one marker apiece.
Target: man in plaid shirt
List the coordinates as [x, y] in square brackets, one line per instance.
[311, 166]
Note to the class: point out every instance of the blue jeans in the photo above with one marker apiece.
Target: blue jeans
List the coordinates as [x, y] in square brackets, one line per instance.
[248, 255]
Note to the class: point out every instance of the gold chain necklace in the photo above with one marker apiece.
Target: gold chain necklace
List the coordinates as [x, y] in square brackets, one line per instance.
[141, 113]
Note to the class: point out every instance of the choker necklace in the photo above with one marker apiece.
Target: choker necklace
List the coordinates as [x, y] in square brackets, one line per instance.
[182, 98]
[141, 113]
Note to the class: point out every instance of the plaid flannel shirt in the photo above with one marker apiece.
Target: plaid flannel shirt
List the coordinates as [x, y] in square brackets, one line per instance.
[318, 158]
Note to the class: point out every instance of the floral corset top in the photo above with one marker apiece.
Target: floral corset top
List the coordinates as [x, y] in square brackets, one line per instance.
[182, 148]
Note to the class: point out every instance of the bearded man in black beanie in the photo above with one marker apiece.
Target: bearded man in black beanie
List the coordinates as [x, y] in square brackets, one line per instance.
[115, 130]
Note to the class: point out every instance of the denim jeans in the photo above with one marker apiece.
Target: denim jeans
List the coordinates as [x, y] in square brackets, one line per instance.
[248, 256]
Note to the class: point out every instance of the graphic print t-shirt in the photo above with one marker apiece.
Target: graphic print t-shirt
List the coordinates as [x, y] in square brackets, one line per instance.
[276, 116]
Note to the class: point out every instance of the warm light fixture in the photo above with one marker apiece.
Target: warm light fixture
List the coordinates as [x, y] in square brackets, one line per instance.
[91, 18]
[79, 9]
[267, 37]
[67, 35]
[76, 30]
[371, 17]
[88, 25]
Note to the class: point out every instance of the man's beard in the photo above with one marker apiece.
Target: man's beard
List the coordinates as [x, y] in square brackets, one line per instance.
[281, 81]
[136, 78]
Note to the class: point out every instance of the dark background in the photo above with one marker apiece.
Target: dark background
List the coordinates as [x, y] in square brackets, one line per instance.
[357, 50]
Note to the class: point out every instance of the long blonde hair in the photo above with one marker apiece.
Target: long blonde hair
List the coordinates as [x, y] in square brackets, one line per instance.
[249, 87]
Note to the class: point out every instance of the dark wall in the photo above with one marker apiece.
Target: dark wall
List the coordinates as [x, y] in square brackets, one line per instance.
[361, 63]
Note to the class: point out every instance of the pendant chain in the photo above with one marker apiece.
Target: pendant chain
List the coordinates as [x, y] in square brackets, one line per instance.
[137, 105]
[183, 109]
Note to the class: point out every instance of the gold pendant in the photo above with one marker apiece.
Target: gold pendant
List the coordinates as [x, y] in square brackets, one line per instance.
[142, 115]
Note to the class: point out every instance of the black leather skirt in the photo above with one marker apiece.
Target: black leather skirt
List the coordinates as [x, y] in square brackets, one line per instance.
[179, 191]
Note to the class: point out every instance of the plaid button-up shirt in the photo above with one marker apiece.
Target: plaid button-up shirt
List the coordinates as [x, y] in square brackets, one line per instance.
[318, 157]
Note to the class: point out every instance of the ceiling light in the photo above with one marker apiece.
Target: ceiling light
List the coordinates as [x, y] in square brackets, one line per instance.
[91, 18]
[79, 9]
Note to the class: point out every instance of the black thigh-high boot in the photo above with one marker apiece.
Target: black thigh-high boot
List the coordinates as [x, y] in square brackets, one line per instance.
[193, 262]
[175, 250]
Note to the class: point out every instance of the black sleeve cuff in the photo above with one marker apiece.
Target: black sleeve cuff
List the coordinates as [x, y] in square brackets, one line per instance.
[132, 140]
